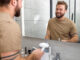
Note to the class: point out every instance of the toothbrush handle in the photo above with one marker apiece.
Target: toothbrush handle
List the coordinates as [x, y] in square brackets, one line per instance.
[42, 49]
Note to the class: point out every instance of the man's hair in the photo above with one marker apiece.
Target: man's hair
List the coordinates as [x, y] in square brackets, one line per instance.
[62, 3]
[4, 2]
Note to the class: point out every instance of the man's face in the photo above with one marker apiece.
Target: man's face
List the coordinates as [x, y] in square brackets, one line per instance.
[18, 8]
[60, 11]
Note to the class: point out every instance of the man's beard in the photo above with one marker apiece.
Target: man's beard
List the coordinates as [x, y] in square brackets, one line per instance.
[59, 16]
[17, 12]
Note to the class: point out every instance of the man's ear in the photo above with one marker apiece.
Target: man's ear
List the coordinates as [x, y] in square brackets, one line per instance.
[13, 2]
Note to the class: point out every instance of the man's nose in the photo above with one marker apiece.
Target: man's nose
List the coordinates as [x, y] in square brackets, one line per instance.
[58, 10]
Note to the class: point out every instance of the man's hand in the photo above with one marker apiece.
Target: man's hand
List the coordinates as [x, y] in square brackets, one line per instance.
[65, 40]
[47, 37]
[73, 39]
[38, 53]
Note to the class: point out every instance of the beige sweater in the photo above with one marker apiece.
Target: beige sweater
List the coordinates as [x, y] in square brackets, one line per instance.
[64, 29]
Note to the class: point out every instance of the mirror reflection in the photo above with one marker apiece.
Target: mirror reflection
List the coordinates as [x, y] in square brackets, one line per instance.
[36, 15]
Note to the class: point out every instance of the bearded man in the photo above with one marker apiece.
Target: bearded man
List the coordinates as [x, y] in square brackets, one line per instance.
[60, 27]
[10, 33]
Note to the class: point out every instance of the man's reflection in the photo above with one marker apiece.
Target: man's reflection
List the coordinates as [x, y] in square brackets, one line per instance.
[60, 27]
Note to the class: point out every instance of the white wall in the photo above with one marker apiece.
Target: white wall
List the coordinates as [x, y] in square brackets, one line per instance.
[78, 16]
[36, 16]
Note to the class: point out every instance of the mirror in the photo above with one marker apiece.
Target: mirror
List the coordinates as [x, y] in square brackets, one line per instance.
[36, 14]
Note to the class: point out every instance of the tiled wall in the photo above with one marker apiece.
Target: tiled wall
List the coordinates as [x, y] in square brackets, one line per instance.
[36, 17]
[78, 16]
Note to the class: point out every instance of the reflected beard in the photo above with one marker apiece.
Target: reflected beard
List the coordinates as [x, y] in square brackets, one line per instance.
[59, 16]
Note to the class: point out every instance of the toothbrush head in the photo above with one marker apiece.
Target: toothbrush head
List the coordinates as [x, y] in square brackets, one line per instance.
[44, 45]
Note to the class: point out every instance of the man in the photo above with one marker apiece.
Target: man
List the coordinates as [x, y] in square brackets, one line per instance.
[10, 34]
[60, 27]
